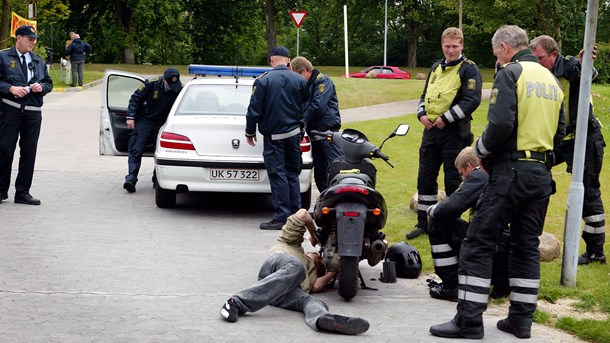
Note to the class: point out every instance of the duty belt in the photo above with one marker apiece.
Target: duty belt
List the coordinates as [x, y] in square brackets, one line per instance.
[21, 106]
[523, 154]
[278, 136]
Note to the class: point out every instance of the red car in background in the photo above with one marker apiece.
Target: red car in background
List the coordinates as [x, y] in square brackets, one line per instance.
[383, 72]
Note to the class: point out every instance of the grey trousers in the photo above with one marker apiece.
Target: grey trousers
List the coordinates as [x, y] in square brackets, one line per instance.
[279, 284]
[78, 70]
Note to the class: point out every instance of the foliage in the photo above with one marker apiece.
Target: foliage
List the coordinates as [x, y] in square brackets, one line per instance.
[602, 63]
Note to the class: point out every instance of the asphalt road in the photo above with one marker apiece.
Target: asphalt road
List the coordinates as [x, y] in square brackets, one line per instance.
[95, 264]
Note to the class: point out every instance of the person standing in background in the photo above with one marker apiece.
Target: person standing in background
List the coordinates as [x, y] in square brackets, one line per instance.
[77, 51]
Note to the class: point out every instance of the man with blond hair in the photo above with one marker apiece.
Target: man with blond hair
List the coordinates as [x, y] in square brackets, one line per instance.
[321, 114]
[451, 94]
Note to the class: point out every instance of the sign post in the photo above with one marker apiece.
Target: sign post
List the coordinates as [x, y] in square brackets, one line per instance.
[297, 18]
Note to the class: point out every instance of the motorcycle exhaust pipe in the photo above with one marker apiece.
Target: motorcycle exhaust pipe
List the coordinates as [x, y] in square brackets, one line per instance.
[375, 252]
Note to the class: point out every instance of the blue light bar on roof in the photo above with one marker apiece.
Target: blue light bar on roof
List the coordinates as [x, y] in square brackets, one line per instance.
[201, 69]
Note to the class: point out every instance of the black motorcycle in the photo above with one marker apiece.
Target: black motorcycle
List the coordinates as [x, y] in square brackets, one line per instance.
[350, 213]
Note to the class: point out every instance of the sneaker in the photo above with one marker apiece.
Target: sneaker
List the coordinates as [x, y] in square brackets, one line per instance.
[130, 186]
[440, 292]
[3, 196]
[341, 324]
[272, 225]
[415, 233]
[587, 258]
[518, 331]
[230, 311]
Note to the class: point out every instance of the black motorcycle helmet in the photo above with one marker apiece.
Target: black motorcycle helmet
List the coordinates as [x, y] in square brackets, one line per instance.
[406, 258]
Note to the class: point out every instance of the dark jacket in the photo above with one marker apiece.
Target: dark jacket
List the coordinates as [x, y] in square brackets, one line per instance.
[11, 75]
[151, 101]
[77, 50]
[567, 70]
[464, 198]
[277, 101]
[322, 108]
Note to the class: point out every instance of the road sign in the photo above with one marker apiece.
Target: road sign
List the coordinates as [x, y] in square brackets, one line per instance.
[298, 17]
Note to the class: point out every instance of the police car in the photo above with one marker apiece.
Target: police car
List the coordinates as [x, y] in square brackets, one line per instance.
[202, 146]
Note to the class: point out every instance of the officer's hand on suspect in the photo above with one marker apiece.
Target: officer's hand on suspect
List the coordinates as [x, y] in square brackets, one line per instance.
[251, 140]
[131, 123]
[427, 123]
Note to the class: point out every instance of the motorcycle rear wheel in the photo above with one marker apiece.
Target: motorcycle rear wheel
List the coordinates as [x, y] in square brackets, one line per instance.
[348, 276]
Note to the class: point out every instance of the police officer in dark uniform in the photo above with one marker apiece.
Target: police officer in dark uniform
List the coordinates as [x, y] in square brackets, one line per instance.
[321, 114]
[446, 231]
[525, 121]
[452, 92]
[276, 107]
[148, 109]
[24, 80]
[567, 70]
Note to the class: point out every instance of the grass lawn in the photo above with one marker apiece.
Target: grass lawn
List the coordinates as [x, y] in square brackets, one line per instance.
[399, 184]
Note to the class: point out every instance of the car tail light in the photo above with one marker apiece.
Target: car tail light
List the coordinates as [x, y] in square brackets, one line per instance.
[305, 144]
[174, 141]
[353, 189]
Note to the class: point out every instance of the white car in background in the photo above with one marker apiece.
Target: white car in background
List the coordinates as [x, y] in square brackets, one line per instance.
[202, 146]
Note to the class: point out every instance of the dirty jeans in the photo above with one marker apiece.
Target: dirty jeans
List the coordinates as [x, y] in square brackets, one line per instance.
[279, 284]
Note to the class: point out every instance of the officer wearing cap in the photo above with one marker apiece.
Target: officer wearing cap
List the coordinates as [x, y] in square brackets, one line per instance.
[24, 80]
[148, 109]
[276, 107]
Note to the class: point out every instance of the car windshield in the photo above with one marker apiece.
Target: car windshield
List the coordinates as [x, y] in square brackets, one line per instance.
[227, 99]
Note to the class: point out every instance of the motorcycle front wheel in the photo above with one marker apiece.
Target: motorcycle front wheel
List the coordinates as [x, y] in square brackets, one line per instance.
[348, 276]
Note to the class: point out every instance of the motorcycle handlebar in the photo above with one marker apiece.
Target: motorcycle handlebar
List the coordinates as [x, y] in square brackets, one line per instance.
[377, 153]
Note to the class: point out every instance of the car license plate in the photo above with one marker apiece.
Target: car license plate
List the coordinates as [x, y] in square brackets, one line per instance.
[234, 174]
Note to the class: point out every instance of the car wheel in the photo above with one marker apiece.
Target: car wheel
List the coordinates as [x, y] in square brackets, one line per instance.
[306, 198]
[165, 198]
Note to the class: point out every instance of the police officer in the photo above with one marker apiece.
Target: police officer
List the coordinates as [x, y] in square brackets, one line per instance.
[148, 109]
[452, 92]
[276, 107]
[567, 70]
[321, 114]
[525, 122]
[24, 80]
[446, 231]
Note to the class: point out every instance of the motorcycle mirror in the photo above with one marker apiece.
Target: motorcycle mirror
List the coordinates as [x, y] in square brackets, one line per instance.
[402, 130]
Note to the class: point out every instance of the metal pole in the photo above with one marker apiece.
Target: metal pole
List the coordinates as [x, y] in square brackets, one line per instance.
[385, 36]
[345, 38]
[460, 16]
[298, 30]
[571, 232]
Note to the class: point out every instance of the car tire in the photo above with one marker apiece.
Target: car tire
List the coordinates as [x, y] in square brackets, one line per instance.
[165, 198]
[306, 198]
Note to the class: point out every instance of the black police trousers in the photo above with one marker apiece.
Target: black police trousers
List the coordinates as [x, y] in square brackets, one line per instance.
[438, 147]
[517, 193]
[594, 233]
[23, 126]
[445, 242]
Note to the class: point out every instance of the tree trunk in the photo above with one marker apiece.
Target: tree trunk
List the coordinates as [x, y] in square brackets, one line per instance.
[412, 45]
[5, 25]
[270, 32]
[129, 57]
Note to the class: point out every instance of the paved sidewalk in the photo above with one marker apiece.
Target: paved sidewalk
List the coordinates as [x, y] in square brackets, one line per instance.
[95, 264]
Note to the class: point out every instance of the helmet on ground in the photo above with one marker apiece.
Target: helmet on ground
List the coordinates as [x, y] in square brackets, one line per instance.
[406, 258]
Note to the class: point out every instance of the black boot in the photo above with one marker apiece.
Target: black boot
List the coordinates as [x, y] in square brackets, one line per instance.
[451, 330]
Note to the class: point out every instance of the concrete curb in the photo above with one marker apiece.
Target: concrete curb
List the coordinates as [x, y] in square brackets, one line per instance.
[79, 88]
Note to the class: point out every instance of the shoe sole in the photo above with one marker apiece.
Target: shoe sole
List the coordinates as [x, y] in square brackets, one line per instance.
[459, 335]
[503, 325]
[353, 326]
[26, 202]
[444, 298]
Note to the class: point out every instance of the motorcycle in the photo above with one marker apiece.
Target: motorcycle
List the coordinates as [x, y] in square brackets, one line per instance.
[350, 213]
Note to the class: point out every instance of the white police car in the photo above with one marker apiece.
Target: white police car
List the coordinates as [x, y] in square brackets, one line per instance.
[201, 147]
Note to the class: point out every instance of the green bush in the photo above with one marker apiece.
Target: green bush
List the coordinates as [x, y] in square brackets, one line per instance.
[603, 63]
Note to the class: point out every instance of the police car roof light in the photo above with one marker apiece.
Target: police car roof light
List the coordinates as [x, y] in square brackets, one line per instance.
[203, 70]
